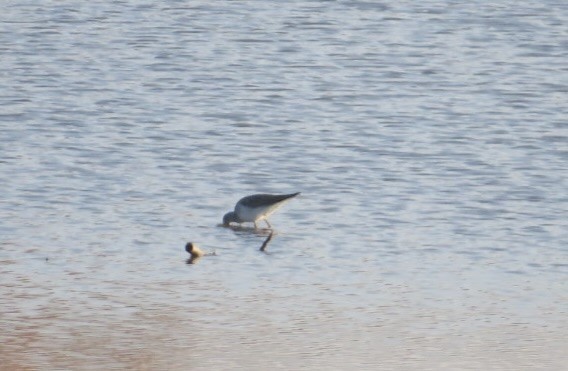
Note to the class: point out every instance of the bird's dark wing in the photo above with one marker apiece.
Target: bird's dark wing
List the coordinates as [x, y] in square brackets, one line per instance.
[261, 200]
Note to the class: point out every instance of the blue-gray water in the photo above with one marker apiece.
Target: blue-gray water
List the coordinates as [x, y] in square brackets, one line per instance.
[429, 140]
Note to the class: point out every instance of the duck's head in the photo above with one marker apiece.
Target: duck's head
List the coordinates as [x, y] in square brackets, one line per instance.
[193, 250]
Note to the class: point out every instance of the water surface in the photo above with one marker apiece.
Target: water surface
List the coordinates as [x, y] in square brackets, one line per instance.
[428, 139]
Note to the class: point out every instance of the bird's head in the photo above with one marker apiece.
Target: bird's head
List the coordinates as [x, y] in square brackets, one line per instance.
[230, 217]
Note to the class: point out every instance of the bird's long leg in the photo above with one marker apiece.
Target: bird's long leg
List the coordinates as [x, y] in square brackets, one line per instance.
[255, 226]
[267, 223]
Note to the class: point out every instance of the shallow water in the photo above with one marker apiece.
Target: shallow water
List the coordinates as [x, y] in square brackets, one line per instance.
[428, 139]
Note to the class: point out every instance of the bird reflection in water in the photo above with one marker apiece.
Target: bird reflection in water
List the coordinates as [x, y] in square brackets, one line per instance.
[243, 229]
[258, 232]
[265, 243]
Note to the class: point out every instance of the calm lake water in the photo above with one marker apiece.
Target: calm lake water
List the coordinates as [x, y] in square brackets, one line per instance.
[429, 140]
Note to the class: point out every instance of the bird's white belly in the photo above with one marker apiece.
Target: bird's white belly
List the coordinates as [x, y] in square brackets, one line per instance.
[247, 214]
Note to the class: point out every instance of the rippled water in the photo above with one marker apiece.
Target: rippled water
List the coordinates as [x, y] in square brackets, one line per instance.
[429, 140]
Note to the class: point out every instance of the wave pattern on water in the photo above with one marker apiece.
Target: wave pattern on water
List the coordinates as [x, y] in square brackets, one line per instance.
[428, 139]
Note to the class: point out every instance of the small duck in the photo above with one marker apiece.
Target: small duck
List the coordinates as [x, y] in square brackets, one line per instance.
[195, 253]
[256, 207]
[194, 250]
